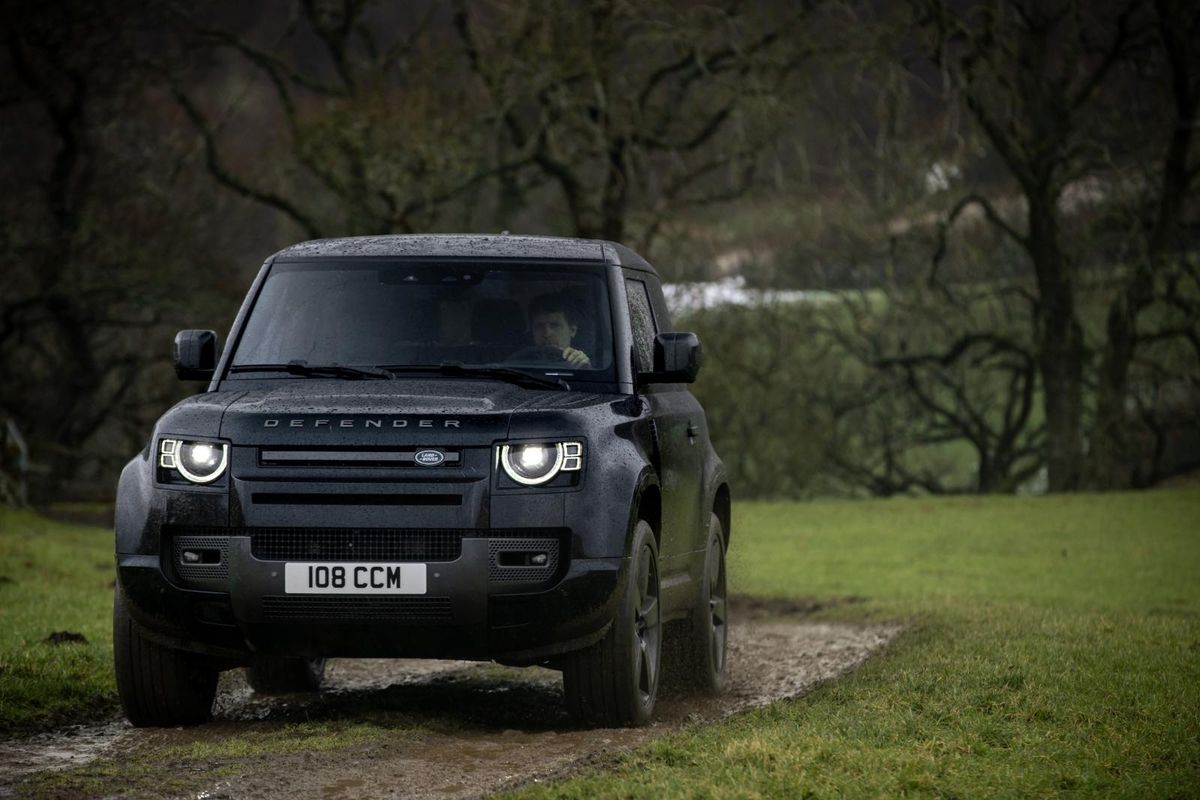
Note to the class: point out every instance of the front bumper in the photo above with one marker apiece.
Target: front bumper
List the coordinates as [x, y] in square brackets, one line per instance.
[239, 607]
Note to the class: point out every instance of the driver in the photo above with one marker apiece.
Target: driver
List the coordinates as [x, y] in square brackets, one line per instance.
[552, 322]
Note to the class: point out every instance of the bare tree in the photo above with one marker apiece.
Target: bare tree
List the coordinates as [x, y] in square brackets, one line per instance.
[1029, 73]
[929, 389]
[935, 374]
[1039, 80]
[396, 121]
[634, 112]
[372, 132]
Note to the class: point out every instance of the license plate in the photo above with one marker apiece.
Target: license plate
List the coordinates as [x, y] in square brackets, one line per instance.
[349, 578]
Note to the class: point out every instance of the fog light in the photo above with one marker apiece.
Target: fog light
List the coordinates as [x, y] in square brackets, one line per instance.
[539, 559]
[190, 557]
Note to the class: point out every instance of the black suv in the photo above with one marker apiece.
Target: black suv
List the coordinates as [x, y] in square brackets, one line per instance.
[468, 447]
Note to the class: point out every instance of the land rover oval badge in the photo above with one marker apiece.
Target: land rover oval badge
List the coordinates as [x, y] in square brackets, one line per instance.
[429, 458]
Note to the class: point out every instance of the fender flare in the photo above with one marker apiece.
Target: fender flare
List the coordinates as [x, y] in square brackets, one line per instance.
[647, 481]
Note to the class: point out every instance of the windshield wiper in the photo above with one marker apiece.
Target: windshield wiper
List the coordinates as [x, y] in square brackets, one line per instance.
[504, 373]
[501, 373]
[306, 370]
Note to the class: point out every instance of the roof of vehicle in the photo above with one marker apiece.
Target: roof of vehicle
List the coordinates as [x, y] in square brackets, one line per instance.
[469, 245]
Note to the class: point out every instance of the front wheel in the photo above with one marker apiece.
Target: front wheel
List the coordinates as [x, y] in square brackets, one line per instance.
[159, 686]
[615, 681]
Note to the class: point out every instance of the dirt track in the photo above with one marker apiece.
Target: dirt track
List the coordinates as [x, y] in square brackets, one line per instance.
[481, 728]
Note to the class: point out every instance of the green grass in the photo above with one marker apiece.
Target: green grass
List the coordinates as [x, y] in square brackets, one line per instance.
[1053, 651]
[1126, 552]
[54, 577]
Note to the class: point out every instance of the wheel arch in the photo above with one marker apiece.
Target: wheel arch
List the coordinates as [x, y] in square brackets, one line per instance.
[647, 505]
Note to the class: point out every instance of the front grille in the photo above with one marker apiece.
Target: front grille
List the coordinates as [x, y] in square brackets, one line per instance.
[356, 544]
[364, 544]
[282, 608]
[364, 457]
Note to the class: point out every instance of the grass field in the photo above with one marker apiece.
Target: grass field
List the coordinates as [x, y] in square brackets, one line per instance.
[1053, 650]
[54, 577]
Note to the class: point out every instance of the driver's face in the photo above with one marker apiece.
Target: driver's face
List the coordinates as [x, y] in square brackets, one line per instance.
[552, 330]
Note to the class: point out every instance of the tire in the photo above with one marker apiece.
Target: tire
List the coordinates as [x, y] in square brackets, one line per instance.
[615, 681]
[282, 675]
[704, 665]
[159, 686]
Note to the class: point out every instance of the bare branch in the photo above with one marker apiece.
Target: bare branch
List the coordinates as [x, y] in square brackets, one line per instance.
[1110, 58]
[228, 179]
[270, 64]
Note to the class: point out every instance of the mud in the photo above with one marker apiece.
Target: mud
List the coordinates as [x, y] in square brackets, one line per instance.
[71, 746]
[463, 730]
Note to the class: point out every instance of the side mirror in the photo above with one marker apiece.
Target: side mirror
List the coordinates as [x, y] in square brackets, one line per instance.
[677, 358]
[195, 355]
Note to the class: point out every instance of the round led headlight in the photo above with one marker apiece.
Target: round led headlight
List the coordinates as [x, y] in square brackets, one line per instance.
[198, 462]
[533, 464]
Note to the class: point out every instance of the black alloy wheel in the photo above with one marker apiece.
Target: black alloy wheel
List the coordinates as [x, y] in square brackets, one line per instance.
[615, 681]
[698, 647]
[648, 626]
[718, 609]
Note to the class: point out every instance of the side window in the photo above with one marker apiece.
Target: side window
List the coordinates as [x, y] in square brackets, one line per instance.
[658, 304]
[641, 320]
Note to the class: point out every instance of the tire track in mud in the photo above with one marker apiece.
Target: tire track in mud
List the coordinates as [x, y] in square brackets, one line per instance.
[479, 728]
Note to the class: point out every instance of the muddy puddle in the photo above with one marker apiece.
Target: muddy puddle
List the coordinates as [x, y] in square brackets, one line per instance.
[438, 729]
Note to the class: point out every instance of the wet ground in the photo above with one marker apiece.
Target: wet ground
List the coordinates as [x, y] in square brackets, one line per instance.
[449, 729]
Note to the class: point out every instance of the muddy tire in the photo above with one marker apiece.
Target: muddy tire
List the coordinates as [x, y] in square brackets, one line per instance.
[615, 681]
[702, 662]
[158, 685]
[282, 675]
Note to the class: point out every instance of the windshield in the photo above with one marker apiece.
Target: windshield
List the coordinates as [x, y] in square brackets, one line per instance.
[544, 320]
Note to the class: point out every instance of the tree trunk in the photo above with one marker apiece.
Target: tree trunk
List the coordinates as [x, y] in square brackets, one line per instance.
[1060, 358]
[1060, 346]
[1112, 458]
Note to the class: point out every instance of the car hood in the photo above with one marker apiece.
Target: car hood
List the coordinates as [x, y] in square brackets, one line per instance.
[370, 413]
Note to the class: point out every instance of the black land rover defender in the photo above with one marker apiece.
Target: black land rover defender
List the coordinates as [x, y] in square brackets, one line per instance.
[468, 447]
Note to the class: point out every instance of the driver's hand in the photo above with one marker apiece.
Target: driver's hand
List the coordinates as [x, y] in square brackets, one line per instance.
[576, 358]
